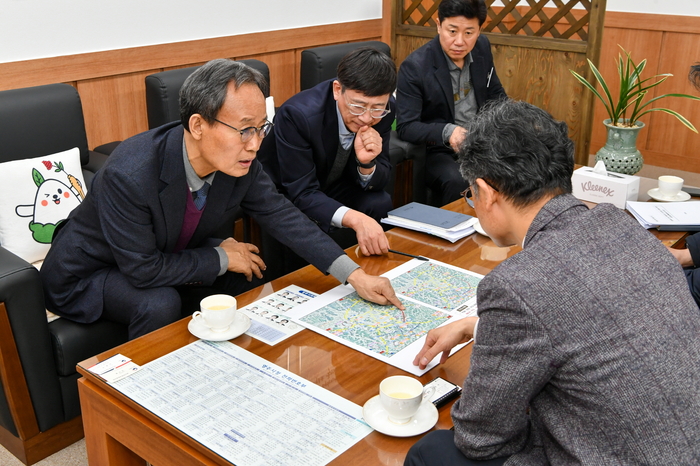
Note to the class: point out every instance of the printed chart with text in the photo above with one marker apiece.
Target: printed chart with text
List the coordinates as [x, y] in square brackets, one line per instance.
[432, 292]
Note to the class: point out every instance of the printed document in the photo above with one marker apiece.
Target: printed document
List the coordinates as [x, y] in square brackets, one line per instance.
[269, 322]
[433, 293]
[245, 409]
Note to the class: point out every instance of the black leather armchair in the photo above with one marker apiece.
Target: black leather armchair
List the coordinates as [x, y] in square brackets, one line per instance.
[39, 405]
[163, 92]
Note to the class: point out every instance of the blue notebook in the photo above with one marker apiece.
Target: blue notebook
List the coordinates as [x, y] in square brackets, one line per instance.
[430, 215]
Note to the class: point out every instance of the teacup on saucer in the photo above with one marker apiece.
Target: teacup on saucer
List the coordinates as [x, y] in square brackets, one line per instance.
[657, 195]
[422, 421]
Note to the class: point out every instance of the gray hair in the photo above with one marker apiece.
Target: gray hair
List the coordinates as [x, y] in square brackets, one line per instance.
[520, 150]
[204, 91]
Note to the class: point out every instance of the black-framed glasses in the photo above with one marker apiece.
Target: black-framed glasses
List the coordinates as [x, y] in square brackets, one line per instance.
[359, 110]
[467, 193]
[247, 133]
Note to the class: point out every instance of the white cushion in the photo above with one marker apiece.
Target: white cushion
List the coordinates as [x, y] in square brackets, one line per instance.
[35, 195]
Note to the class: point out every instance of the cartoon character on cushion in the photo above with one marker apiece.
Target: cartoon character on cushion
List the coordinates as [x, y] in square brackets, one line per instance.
[53, 202]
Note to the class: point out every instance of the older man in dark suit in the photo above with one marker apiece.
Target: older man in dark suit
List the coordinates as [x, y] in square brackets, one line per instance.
[329, 152]
[141, 241]
[441, 86]
[587, 348]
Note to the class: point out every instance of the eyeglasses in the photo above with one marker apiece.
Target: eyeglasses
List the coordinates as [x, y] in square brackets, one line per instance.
[247, 133]
[359, 110]
[467, 193]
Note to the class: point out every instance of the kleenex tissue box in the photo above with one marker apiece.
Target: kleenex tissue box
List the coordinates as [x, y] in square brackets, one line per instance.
[614, 188]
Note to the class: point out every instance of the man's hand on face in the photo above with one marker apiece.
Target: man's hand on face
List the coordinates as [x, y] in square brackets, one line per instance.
[457, 138]
[243, 258]
[373, 288]
[368, 144]
[370, 235]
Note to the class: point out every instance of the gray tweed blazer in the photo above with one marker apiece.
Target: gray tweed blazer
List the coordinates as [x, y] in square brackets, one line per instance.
[587, 351]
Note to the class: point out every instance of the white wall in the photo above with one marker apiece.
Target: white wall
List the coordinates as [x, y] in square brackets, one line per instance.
[31, 29]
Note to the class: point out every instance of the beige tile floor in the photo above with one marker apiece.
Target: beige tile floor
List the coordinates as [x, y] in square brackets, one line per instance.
[75, 454]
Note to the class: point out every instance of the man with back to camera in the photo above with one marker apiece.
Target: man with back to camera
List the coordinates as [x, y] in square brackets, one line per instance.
[582, 355]
[139, 245]
[330, 150]
[441, 86]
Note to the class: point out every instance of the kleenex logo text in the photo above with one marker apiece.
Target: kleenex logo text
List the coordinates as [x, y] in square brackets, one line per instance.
[590, 186]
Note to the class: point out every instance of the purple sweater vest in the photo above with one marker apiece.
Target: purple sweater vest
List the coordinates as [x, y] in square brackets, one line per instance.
[189, 224]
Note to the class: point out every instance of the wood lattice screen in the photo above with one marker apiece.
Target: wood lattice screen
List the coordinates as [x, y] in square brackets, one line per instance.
[568, 20]
[535, 43]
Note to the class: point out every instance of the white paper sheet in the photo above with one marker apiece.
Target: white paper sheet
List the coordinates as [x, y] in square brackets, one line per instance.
[245, 409]
[653, 214]
[433, 292]
[269, 322]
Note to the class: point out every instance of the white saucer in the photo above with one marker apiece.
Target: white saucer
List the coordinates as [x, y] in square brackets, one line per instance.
[378, 419]
[477, 227]
[657, 196]
[240, 325]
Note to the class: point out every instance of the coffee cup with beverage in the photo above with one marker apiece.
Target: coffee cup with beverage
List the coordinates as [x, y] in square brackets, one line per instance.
[670, 186]
[216, 312]
[402, 396]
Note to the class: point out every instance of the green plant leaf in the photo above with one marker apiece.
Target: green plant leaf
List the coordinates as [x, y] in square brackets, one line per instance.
[590, 87]
[680, 117]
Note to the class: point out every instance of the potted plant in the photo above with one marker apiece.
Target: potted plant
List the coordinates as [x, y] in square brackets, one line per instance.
[620, 153]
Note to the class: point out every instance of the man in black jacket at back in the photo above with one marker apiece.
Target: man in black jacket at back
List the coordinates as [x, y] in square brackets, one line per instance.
[441, 86]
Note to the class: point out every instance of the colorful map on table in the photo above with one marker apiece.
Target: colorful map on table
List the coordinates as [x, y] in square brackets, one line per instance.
[436, 285]
[380, 329]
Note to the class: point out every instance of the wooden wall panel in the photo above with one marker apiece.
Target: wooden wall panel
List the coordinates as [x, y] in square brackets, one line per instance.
[541, 77]
[283, 75]
[114, 107]
[664, 142]
[407, 44]
[665, 133]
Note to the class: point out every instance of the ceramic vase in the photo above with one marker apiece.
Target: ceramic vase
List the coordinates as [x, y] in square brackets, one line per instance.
[620, 153]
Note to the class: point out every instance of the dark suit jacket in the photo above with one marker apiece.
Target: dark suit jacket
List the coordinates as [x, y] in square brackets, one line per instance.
[693, 273]
[131, 220]
[303, 149]
[424, 96]
[591, 327]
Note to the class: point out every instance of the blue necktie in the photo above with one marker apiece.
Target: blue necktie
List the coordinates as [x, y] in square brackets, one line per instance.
[200, 196]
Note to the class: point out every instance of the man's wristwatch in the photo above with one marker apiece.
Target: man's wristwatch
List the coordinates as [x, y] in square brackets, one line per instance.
[365, 165]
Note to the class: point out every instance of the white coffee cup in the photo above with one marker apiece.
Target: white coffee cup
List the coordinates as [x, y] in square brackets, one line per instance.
[216, 312]
[670, 186]
[401, 397]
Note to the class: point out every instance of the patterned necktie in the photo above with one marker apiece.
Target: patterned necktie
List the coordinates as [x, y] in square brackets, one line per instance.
[200, 196]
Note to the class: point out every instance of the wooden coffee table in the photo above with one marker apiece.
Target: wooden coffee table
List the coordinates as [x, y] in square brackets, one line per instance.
[120, 432]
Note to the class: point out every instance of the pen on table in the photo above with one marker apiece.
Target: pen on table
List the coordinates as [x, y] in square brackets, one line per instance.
[409, 255]
[489, 80]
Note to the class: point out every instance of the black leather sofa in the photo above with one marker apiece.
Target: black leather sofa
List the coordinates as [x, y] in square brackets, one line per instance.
[39, 405]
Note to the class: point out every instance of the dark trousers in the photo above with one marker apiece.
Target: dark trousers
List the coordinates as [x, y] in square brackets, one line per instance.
[438, 449]
[148, 309]
[442, 176]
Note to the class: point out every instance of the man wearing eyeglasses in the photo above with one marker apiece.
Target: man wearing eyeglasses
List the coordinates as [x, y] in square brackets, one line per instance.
[330, 150]
[586, 350]
[139, 249]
